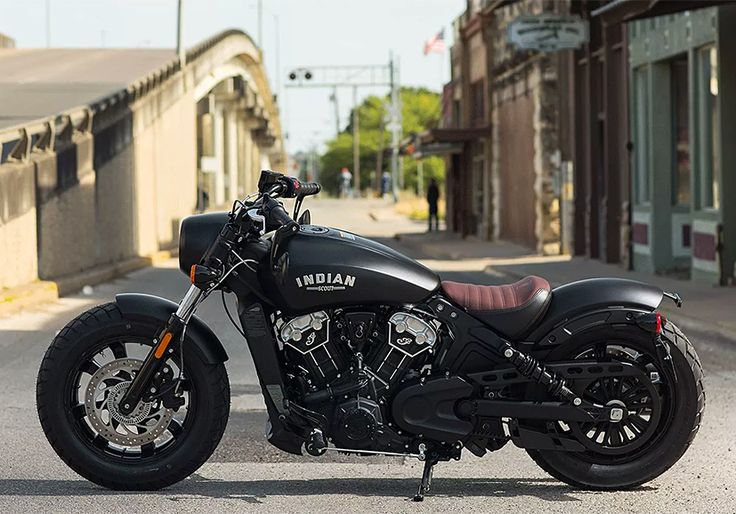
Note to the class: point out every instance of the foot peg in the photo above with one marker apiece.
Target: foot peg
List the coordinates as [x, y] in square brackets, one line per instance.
[316, 444]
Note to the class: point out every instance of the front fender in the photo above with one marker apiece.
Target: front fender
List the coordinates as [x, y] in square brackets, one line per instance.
[138, 306]
[579, 305]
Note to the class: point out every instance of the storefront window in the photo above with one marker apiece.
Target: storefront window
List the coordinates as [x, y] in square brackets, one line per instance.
[681, 131]
[641, 126]
[710, 145]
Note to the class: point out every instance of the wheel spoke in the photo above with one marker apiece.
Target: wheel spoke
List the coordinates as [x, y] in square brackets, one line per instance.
[616, 437]
[639, 423]
[596, 396]
[619, 387]
[175, 427]
[633, 393]
[118, 350]
[598, 431]
[607, 436]
[78, 411]
[600, 351]
[147, 449]
[100, 442]
[90, 367]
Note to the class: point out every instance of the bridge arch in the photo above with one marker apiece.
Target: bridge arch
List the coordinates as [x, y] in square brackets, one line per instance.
[108, 181]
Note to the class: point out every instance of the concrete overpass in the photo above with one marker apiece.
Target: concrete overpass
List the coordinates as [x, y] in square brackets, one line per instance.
[105, 151]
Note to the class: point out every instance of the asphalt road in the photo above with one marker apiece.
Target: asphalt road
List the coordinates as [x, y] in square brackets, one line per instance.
[247, 474]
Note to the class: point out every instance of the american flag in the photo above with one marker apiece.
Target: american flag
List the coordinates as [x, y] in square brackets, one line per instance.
[435, 44]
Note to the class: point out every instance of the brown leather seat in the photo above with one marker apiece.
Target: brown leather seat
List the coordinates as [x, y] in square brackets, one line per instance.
[511, 309]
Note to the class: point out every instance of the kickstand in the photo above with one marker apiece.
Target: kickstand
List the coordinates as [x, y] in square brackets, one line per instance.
[426, 482]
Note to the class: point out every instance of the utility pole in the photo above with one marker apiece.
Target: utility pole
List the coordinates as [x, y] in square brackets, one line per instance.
[333, 97]
[395, 127]
[278, 56]
[420, 177]
[379, 158]
[356, 142]
[179, 36]
[356, 76]
[260, 24]
[48, 23]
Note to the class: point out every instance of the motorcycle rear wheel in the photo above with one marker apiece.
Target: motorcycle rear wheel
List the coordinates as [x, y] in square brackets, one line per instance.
[680, 421]
[88, 365]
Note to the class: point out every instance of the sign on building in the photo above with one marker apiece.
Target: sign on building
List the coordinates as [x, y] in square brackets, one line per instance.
[548, 32]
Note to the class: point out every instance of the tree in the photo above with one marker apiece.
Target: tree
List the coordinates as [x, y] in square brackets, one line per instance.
[420, 110]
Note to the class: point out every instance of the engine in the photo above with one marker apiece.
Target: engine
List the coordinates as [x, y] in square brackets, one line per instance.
[343, 364]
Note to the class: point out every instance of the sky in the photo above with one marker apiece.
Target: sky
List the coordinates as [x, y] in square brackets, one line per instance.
[295, 33]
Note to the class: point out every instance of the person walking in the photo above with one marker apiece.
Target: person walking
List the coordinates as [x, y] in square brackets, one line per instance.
[433, 196]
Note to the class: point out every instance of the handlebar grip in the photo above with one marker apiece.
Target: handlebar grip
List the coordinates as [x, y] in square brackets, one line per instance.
[276, 215]
[308, 188]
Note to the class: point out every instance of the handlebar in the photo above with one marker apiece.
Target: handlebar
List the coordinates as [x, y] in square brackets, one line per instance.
[282, 186]
[276, 215]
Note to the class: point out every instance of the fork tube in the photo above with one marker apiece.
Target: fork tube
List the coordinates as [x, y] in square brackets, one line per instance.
[156, 357]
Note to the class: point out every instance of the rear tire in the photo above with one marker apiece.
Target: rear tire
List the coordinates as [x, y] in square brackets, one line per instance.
[674, 438]
[102, 462]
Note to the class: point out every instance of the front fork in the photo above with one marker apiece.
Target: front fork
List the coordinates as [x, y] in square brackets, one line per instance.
[172, 331]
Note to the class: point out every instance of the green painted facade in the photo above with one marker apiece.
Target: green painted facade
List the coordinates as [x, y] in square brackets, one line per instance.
[683, 128]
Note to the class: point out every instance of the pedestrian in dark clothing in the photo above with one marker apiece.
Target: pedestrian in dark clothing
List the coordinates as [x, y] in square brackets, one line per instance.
[433, 195]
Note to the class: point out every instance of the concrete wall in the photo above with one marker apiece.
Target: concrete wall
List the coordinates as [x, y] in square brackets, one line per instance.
[17, 225]
[165, 149]
[67, 234]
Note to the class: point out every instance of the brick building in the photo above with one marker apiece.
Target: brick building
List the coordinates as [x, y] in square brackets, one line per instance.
[615, 150]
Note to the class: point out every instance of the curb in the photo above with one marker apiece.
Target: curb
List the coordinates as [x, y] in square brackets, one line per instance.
[17, 298]
[45, 291]
[72, 283]
[683, 320]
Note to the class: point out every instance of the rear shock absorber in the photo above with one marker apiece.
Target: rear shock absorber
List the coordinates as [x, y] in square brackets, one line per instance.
[531, 367]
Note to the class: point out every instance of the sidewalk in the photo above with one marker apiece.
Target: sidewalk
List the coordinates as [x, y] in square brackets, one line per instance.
[706, 307]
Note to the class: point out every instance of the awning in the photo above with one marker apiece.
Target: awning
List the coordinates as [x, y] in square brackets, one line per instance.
[454, 135]
[437, 149]
[441, 141]
[620, 11]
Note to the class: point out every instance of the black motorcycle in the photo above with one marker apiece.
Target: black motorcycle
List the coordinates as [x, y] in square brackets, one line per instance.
[361, 350]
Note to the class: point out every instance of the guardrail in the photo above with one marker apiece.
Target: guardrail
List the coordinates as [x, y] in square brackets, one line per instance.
[41, 135]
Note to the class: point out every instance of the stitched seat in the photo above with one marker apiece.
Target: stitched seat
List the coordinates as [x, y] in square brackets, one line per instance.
[511, 309]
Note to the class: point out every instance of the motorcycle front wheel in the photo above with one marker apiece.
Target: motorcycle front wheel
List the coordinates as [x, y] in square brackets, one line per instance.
[656, 419]
[85, 372]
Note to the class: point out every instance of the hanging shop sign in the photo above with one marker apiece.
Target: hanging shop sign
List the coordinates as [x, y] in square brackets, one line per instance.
[548, 32]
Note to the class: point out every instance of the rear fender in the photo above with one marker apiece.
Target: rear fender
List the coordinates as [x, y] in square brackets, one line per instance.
[146, 307]
[585, 304]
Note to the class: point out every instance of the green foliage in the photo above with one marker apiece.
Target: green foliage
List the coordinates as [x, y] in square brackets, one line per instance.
[420, 109]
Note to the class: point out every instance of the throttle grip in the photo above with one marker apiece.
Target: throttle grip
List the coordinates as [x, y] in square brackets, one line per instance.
[308, 188]
[276, 215]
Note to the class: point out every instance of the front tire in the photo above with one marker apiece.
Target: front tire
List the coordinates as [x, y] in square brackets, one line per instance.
[95, 353]
[675, 433]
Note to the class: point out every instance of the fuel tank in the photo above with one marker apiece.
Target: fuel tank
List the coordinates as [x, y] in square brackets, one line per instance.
[324, 267]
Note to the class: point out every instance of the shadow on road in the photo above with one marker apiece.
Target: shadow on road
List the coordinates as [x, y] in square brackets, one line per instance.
[254, 491]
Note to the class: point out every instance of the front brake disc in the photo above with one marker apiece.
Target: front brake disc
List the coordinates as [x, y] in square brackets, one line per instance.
[105, 390]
